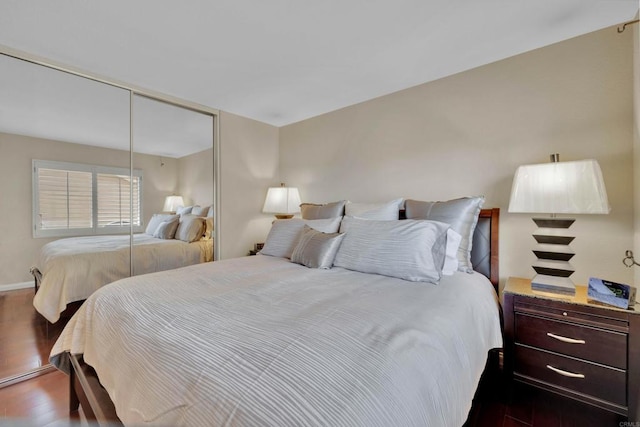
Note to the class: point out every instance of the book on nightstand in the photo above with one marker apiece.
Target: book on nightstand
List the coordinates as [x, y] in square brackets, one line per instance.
[610, 293]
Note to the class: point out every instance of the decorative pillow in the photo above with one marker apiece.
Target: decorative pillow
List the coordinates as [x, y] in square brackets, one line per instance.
[210, 211]
[191, 228]
[411, 250]
[208, 228]
[451, 253]
[200, 211]
[462, 214]
[379, 211]
[328, 210]
[316, 249]
[284, 233]
[166, 229]
[156, 220]
[184, 210]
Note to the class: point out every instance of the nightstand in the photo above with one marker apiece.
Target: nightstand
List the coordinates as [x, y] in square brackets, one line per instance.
[568, 346]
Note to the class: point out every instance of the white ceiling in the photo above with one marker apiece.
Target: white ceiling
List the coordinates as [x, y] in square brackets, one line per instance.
[282, 61]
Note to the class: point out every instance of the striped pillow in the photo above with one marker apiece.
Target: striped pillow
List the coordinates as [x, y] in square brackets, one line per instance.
[316, 249]
[284, 234]
[412, 250]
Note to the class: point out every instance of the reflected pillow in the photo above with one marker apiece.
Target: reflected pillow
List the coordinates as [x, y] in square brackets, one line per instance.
[316, 249]
[156, 220]
[412, 250]
[284, 234]
[166, 229]
[190, 228]
[184, 210]
[328, 210]
[200, 211]
[378, 211]
[462, 214]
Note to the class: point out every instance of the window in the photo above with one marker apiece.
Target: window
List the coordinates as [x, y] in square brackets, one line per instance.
[71, 199]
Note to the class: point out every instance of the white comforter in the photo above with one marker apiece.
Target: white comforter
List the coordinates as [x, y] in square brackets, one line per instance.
[262, 341]
[74, 268]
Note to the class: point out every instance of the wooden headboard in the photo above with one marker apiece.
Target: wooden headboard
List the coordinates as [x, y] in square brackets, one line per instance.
[485, 247]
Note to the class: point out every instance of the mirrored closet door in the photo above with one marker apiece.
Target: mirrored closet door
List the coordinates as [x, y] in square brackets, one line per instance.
[64, 178]
[81, 181]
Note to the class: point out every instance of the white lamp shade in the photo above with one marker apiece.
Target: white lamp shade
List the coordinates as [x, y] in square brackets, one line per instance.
[282, 200]
[172, 203]
[559, 188]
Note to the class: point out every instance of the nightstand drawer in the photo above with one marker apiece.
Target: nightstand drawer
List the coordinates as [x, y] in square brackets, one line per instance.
[591, 344]
[601, 382]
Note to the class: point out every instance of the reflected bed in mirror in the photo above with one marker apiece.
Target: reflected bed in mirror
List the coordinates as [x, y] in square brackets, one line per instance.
[80, 128]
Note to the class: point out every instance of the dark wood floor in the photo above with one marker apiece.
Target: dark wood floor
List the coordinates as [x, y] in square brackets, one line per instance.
[26, 338]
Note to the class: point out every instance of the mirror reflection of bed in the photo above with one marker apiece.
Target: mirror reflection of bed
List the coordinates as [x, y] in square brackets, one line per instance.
[55, 128]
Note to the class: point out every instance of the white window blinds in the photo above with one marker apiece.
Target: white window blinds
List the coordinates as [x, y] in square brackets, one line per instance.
[75, 199]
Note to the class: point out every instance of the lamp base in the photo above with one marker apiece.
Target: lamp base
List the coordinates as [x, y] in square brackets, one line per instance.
[553, 284]
[284, 216]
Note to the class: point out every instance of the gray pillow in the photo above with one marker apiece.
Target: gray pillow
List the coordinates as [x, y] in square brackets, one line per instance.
[462, 214]
[156, 220]
[166, 229]
[328, 210]
[191, 228]
[284, 234]
[316, 249]
[380, 211]
[411, 250]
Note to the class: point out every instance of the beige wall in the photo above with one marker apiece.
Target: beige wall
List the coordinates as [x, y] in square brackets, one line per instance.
[18, 249]
[466, 135]
[249, 157]
[195, 178]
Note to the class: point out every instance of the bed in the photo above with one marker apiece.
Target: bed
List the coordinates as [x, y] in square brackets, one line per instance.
[265, 341]
[71, 269]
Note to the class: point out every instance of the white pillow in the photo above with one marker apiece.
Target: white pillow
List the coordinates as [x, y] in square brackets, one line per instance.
[200, 211]
[184, 210]
[284, 234]
[191, 228]
[210, 212]
[156, 220]
[379, 211]
[451, 253]
[412, 250]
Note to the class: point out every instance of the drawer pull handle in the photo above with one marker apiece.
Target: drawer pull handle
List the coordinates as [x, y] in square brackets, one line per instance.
[565, 339]
[565, 373]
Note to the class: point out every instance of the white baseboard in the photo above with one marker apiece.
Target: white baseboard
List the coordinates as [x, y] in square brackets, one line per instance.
[14, 286]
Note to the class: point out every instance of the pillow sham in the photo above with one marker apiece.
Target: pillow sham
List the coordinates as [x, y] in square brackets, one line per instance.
[184, 210]
[412, 250]
[200, 211]
[156, 220]
[327, 210]
[284, 233]
[378, 211]
[167, 229]
[190, 228]
[462, 214]
[316, 249]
